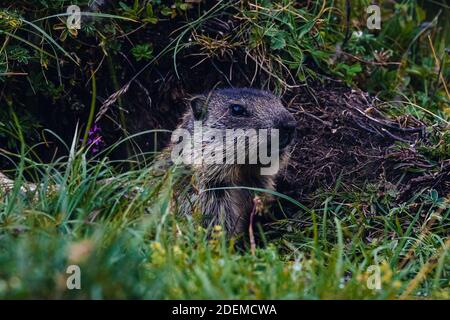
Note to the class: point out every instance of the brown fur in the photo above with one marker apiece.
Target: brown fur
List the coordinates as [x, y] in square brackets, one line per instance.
[230, 208]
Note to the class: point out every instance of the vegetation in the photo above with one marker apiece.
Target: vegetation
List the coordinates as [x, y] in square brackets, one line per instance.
[83, 113]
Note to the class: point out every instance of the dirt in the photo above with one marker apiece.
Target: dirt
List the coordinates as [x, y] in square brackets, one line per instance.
[345, 136]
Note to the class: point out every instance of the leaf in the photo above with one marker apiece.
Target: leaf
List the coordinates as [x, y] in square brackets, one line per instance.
[166, 11]
[278, 42]
[149, 10]
[184, 6]
[306, 28]
[356, 68]
[124, 6]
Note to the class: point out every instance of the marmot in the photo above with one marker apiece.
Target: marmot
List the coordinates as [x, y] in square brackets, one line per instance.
[227, 204]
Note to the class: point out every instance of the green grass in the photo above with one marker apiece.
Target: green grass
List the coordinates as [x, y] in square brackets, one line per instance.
[129, 243]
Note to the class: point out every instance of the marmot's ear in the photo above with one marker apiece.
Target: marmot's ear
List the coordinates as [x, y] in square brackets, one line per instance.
[199, 106]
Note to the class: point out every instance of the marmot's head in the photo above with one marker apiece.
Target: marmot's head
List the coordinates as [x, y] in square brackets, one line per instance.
[244, 108]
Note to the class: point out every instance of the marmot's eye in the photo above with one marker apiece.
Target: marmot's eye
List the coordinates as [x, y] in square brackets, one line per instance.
[238, 110]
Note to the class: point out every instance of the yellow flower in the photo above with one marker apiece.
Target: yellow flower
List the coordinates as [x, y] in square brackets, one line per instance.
[156, 246]
[386, 271]
[217, 232]
[397, 284]
[177, 250]
[158, 256]
[178, 253]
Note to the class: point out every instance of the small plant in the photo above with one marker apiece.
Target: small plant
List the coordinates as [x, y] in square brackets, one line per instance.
[142, 52]
[137, 11]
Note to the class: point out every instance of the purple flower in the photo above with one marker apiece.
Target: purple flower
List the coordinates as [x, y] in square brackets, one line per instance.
[95, 139]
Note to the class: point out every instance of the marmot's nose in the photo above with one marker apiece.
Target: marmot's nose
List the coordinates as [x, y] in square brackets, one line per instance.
[287, 130]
